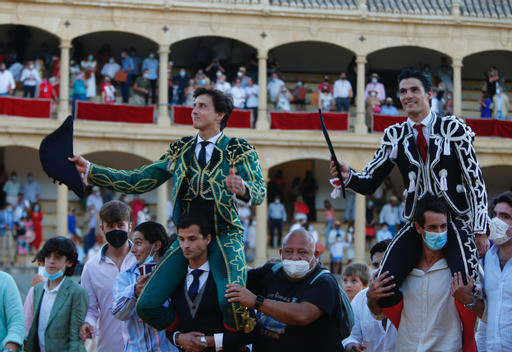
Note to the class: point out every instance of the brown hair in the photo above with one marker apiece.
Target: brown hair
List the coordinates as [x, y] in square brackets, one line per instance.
[115, 211]
[359, 270]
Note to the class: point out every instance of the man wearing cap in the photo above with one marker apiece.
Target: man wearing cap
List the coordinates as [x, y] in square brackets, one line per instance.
[375, 85]
[387, 108]
[435, 155]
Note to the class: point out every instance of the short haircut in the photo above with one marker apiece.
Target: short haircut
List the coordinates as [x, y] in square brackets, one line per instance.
[153, 232]
[359, 270]
[379, 247]
[190, 219]
[309, 237]
[430, 203]
[412, 73]
[222, 102]
[115, 211]
[64, 246]
[505, 197]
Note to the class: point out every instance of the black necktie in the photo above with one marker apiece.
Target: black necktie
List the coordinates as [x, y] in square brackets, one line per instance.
[202, 154]
[194, 287]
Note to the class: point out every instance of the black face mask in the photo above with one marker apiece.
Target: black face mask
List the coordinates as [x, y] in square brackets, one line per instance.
[117, 238]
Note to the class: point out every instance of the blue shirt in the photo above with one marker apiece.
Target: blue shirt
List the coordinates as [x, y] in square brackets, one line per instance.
[142, 336]
[152, 66]
[385, 110]
[12, 320]
[127, 64]
[5, 219]
[486, 110]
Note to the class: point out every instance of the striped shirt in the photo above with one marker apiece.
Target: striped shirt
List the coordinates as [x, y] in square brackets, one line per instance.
[142, 337]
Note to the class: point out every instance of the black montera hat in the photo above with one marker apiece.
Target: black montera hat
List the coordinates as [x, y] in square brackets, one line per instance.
[54, 152]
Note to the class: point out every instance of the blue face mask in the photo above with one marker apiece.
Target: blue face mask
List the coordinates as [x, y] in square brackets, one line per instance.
[150, 257]
[436, 240]
[55, 276]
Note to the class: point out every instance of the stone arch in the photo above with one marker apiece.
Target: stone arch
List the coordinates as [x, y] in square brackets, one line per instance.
[27, 40]
[474, 65]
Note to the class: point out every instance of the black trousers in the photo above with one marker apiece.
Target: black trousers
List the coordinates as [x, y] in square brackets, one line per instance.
[404, 252]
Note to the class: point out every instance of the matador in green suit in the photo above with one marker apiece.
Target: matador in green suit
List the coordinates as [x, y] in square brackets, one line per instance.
[208, 179]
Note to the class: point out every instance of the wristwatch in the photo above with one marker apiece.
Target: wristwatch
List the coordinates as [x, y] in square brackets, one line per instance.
[259, 302]
[472, 304]
[7, 350]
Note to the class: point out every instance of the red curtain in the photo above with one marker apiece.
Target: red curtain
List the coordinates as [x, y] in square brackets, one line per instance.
[238, 118]
[308, 121]
[114, 112]
[381, 122]
[38, 108]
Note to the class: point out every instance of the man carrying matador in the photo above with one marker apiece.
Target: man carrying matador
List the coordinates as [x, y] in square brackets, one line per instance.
[210, 173]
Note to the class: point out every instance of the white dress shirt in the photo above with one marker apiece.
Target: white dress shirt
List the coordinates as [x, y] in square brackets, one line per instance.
[202, 278]
[426, 127]
[430, 320]
[498, 289]
[45, 309]
[342, 89]
[30, 77]
[209, 147]
[389, 215]
[6, 81]
[252, 96]
[369, 331]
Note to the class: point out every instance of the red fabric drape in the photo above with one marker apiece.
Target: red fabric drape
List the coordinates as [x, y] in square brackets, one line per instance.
[37, 108]
[308, 121]
[381, 122]
[114, 112]
[490, 127]
[238, 118]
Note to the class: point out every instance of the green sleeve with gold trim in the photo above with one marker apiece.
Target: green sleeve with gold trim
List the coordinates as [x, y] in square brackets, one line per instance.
[243, 157]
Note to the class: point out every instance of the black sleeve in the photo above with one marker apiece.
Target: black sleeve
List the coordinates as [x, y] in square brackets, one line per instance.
[323, 293]
[256, 278]
[234, 340]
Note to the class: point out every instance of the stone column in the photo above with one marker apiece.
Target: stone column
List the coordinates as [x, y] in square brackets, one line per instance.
[457, 87]
[63, 110]
[361, 127]
[260, 257]
[62, 210]
[262, 123]
[359, 227]
[163, 86]
[161, 204]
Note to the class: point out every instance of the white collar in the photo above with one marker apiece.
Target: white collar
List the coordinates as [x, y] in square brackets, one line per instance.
[439, 265]
[425, 122]
[212, 140]
[56, 289]
[205, 267]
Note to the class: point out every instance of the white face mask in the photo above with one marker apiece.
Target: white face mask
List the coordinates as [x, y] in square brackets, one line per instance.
[296, 269]
[499, 230]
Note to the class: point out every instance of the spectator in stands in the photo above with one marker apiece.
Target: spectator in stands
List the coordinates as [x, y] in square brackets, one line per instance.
[15, 69]
[428, 72]
[94, 199]
[324, 84]
[448, 104]
[110, 68]
[151, 64]
[182, 80]
[143, 216]
[342, 93]
[12, 322]
[31, 189]
[55, 67]
[6, 233]
[274, 87]
[373, 102]
[36, 215]
[222, 84]
[238, 93]
[242, 75]
[500, 105]
[308, 190]
[137, 204]
[389, 215]
[189, 93]
[30, 79]
[7, 84]
[47, 91]
[89, 68]
[485, 105]
[214, 70]
[299, 95]
[330, 214]
[276, 217]
[79, 90]
[201, 79]
[355, 278]
[128, 66]
[435, 103]
[325, 100]
[495, 79]
[251, 100]
[445, 72]
[40, 66]
[336, 250]
[375, 85]
[12, 188]
[369, 334]
[384, 233]
[283, 99]
[21, 206]
[388, 108]
[137, 62]
[350, 206]
[141, 89]
[72, 222]
[108, 91]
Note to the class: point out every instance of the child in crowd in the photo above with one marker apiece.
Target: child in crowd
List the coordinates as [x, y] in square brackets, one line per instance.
[24, 236]
[99, 274]
[81, 254]
[336, 250]
[59, 304]
[355, 278]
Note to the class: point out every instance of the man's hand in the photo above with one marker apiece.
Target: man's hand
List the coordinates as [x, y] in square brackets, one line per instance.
[378, 288]
[343, 167]
[190, 341]
[80, 164]
[86, 331]
[462, 293]
[37, 279]
[482, 244]
[235, 184]
[141, 281]
[237, 293]
[355, 347]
